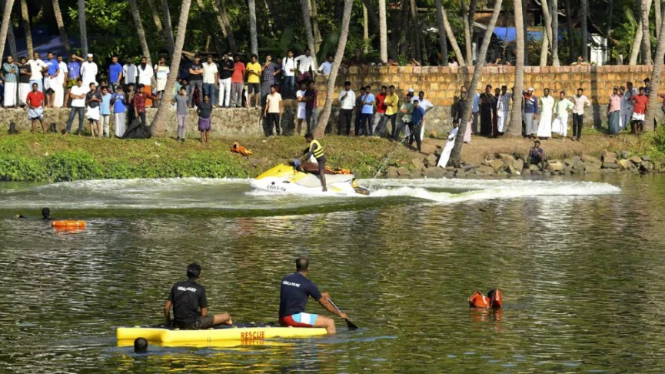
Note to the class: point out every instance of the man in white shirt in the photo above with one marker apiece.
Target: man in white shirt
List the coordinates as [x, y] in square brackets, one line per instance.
[347, 99]
[427, 106]
[89, 71]
[210, 79]
[306, 64]
[289, 69]
[37, 70]
[60, 83]
[502, 109]
[77, 94]
[326, 67]
[274, 108]
[145, 78]
[302, 106]
[129, 72]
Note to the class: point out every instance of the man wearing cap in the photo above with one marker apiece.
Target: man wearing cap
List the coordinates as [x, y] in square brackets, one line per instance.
[89, 71]
[530, 114]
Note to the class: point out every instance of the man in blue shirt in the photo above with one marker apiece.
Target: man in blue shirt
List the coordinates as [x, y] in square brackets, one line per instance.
[367, 100]
[295, 291]
[536, 155]
[417, 117]
[73, 74]
[115, 74]
[530, 115]
[50, 79]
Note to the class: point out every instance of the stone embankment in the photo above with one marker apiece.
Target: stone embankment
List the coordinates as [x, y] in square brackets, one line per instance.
[503, 164]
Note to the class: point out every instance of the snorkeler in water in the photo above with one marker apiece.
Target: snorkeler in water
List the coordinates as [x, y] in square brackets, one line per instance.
[46, 215]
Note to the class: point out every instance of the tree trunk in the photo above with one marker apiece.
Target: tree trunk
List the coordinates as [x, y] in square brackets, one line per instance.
[443, 43]
[6, 24]
[654, 104]
[156, 19]
[451, 38]
[25, 16]
[252, 27]
[158, 125]
[547, 35]
[11, 40]
[555, 33]
[467, 33]
[61, 25]
[657, 10]
[646, 34]
[315, 26]
[304, 7]
[83, 28]
[383, 31]
[455, 155]
[139, 30]
[569, 26]
[168, 29]
[211, 30]
[609, 27]
[365, 30]
[404, 25]
[224, 24]
[416, 30]
[584, 28]
[515, 128]
[322, 123]
[472, 22]
[635, 49]
[372, 14]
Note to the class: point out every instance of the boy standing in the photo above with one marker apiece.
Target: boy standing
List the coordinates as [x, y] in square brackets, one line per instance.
[105, 110]
[93, 100]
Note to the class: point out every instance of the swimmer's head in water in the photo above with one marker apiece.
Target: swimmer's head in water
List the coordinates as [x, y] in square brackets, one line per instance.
[140, 345]
[46, 213]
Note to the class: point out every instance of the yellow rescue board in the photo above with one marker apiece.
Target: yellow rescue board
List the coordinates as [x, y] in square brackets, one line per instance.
[248, 334]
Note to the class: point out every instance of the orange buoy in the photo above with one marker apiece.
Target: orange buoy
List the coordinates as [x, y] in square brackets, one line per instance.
[68, 224]
[478, 300]
[496, 300]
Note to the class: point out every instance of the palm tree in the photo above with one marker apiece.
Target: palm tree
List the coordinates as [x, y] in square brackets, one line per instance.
[156, 19]
[515, 128]
[443, 43]
[315, 26]
[168, 29]
[635, 49]
[583, 25]
[222, 19]
[655, 81]
[451, 37]
[61, 25]
[26, 26]
[383, 31]
[304, 6]
[547, 35]
[455, 155]
[657, 10]
[555, 33]
[252, 27]
[6, 23]
[569, 26]
[11, 40]
[158, 125]
[82, 26]
[467, 32]
[646, 34]
[339, 55]
[139, 30]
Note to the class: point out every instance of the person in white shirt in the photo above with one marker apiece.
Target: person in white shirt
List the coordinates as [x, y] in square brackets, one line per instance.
[546, 111]
[37, 70]
[427, 106]
[210, 79]
[561, 108]
[306, 64]
[503, 107]
[302, 106]
[347, 99]
[60, 83]
[145, 78]
[161, 74]
[289, 69]
[326, 67]
[627, 106]
[89, 71]
[129, 72]
[77, 94]
[274, 108]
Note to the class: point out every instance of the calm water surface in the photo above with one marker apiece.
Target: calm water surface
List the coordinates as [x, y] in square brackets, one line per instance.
[581, 266]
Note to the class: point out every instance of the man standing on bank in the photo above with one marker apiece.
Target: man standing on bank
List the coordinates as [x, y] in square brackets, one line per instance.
[294, 294]
[190, 305]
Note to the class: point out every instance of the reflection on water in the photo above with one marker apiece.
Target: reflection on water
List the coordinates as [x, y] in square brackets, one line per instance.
[581, 267]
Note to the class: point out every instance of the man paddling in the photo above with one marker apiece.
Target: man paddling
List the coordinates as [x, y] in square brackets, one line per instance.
[187, 297]
[295, 292]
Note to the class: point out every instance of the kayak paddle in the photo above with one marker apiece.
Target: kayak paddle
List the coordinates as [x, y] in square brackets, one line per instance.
[349, 324]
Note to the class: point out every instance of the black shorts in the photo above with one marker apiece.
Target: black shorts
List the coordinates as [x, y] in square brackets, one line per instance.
[253, 88]
[201, 323]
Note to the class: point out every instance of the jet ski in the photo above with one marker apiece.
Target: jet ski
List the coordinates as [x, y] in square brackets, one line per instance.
[287, 179]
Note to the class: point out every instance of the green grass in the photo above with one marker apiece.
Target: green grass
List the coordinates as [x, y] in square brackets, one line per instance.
[52, 158]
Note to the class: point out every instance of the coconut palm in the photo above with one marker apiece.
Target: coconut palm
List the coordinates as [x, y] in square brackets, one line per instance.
[252, 27]
[455, 155]
[26, 26]
[442, 33]
[635, 49]
[451, 36]
[339, 55]
[155, 18]
[467, 32]
[555, 33]
[83, 27]
[6, 23]
[304, 7]
[11, 40]
[583, 25]
[61, 25]
[314, 14]
[547, 36]
[139, 30]
[646, 34]
[655, 82]
[222, 19]
[515, 127]
[158, 125]
[168, 29]
[383, 31]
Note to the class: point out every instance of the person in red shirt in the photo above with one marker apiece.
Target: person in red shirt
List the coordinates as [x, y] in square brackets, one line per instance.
[237, 79]
[140, 101]
[35, 101]
[379, 100]
[640, 102]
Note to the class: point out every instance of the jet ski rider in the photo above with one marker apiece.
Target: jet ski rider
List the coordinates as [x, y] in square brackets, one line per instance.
[315, 149]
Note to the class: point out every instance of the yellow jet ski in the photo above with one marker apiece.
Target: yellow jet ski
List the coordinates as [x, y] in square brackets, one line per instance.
[286, 179]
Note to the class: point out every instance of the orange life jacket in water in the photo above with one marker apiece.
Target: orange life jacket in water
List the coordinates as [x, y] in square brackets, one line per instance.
[237, 148]
[493, 299]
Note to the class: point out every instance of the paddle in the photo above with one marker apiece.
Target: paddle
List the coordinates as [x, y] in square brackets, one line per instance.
[349, 324]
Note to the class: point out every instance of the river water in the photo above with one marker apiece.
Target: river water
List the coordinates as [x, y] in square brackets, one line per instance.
[580, 265]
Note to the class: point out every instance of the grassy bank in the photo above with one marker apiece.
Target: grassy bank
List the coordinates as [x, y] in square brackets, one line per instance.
[51, 157]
